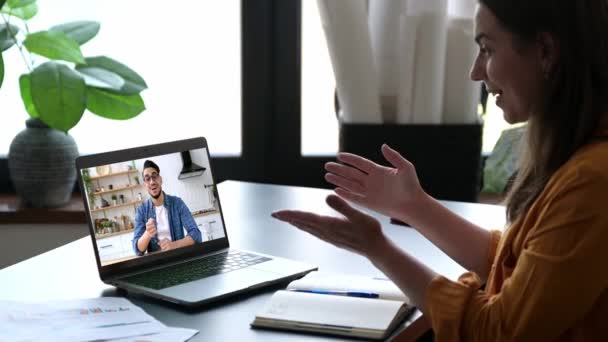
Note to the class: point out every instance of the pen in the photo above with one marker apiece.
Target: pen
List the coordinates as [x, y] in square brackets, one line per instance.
[120, 324]
[342, 293]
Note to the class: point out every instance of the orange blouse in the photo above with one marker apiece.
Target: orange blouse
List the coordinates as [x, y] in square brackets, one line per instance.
[549, 275]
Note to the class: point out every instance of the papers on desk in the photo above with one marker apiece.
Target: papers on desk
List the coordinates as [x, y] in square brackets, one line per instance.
[98, 319]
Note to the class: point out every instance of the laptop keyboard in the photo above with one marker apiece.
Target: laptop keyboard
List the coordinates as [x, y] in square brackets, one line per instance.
[196, 269]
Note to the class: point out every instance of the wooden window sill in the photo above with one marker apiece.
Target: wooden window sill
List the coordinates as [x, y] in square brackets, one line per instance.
[12, 211]
[490, 198]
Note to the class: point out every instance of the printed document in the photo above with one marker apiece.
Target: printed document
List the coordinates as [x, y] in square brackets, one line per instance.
[96, 319]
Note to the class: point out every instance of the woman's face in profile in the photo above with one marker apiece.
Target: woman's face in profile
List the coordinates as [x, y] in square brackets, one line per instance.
[510, 71]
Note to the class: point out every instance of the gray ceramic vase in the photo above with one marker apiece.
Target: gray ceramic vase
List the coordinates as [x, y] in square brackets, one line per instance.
[41, 162]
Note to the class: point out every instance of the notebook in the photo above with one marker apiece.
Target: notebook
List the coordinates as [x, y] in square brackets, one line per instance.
[336, 304]
[158, 229]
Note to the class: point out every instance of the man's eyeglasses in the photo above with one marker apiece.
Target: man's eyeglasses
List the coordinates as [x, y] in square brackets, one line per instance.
[153, 177]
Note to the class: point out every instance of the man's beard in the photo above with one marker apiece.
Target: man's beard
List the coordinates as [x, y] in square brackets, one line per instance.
[160, 192]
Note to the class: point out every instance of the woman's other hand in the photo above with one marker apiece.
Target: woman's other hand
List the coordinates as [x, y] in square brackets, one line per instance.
[356, 231]
[392, 191]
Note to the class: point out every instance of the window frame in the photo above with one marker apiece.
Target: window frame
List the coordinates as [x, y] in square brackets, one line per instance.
[289, 166]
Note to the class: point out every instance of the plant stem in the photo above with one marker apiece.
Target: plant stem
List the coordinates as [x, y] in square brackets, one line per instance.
[27, 31]
[14, 36]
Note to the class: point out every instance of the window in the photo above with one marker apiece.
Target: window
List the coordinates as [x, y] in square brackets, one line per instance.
[494, 124]
[189, 54]
[319, 123]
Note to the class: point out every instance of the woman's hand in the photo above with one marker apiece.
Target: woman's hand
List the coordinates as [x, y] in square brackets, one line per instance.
[362, 234]
[356, 231]
[392, 191]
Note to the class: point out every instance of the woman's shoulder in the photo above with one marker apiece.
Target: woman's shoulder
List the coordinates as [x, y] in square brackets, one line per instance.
[588, 167]
[574, 198]
[590, 159]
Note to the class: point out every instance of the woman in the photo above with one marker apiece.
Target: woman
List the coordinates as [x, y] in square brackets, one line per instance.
[547, 63]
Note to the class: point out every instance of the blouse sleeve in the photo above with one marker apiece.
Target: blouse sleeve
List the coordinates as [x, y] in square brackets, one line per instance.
[495, 236]
[558, 277]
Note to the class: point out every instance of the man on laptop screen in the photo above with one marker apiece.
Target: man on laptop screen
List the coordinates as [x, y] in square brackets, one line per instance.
[160, 221]
[144, 219]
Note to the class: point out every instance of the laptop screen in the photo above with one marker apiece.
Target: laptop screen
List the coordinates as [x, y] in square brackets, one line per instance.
[152, 205]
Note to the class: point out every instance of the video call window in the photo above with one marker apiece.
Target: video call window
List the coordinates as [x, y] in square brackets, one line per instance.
[151, 205]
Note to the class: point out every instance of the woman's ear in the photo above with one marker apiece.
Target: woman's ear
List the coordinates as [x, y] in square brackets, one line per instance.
[548, 52]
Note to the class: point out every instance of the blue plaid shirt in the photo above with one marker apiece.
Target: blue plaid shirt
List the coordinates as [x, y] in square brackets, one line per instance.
[179, 218]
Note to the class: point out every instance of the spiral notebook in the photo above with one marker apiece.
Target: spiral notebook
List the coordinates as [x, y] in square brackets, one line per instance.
[336, 304]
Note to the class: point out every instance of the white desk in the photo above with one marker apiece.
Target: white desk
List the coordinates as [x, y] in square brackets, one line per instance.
[69, 272]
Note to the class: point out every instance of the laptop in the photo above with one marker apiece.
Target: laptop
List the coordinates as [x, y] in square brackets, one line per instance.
[158, 229]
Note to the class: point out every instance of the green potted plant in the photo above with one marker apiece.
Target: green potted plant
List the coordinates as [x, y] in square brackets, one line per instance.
[108, 226]
[60, 84]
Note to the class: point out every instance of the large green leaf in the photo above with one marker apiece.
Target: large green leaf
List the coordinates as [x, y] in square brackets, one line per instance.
[114, 106]
[19, 3]
[101, 78]
[6, 36]
[25, 86]
[2, 2]
[134, 83]
[1, 70]
[54, 45]
[59, 95]
[25, 13]
[80, 31]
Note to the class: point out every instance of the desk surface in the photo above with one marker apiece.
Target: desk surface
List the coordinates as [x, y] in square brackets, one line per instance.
[69, 272]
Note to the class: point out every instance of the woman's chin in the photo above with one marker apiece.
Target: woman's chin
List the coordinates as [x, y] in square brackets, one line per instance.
[508, 119]
[512, 118]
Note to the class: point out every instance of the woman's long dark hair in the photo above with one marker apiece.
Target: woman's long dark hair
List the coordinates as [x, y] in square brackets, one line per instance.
[577, 93]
